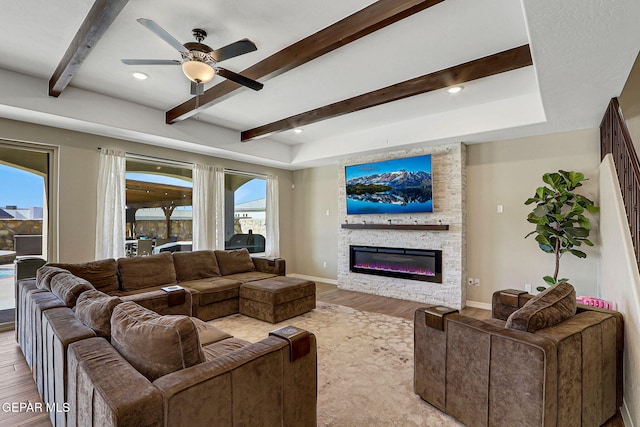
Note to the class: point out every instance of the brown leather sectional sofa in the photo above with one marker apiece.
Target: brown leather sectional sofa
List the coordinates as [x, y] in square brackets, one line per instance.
[212, 279]
[117, 358]
[539, 361]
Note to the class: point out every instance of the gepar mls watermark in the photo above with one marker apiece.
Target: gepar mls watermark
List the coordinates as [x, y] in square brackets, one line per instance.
[19, 407]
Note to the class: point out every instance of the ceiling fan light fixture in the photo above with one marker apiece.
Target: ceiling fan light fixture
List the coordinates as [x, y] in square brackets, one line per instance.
[140, 76]
[198, 72]
[297, 130]
[455, 89]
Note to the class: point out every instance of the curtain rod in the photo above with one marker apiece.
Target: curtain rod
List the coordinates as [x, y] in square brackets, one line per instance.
[161, 159]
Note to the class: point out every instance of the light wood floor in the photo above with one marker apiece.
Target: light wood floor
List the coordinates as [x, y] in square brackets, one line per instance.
[17, 385]
[377, 304]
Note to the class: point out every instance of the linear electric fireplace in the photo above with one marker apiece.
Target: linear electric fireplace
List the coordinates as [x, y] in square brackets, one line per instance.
[413, 264]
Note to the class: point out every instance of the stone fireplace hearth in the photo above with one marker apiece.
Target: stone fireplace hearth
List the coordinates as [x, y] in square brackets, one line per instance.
[449, 185]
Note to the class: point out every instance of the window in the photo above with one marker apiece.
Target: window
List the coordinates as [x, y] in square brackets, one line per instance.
[245, 211]
[158, 206]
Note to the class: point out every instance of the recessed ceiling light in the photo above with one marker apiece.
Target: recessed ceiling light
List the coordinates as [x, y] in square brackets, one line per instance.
[140, 76]
[297, 130]
[455, 89]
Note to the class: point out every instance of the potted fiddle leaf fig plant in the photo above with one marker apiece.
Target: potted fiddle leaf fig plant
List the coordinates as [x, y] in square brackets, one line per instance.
[559, 216]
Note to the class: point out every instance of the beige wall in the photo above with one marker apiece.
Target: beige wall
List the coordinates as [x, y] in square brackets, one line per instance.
[316, 233]
[77, 180]
[507, 173]
[620, 282]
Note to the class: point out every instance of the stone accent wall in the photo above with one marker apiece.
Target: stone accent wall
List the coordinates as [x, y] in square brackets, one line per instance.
[449, 187]
[11, 227]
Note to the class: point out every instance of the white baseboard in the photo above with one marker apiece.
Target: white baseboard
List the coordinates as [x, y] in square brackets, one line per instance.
[626, 416]
[477, 304]
[314, 278]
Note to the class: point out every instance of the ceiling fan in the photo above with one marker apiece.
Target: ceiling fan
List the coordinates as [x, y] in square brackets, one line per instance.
[199, 61]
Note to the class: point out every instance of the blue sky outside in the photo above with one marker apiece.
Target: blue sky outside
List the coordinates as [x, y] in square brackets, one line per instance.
[410, 164]
[20, 188]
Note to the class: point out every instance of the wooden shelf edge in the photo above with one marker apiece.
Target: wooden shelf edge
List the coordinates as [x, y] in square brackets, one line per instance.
[431, 227]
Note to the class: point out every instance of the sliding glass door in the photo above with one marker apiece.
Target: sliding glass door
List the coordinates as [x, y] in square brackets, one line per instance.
[24, 213]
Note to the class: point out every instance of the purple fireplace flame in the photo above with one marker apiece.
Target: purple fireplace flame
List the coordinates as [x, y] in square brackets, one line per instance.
[397, 269]
[404, 263]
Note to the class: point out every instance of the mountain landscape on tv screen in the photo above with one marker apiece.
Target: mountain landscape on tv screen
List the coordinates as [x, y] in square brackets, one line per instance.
[398, 192]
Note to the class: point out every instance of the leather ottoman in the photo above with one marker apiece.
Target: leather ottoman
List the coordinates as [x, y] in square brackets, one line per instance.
[278, 298]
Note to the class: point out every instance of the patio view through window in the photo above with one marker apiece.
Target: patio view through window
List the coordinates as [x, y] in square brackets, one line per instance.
[23, 175]
[158, 207]
[245, 211]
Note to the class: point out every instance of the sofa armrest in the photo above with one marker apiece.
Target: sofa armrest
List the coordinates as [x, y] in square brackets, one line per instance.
[254, 385]
[275, 266]
[506, 301]
[104, 389]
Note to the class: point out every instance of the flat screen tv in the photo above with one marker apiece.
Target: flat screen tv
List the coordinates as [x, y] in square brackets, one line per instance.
[395, 186]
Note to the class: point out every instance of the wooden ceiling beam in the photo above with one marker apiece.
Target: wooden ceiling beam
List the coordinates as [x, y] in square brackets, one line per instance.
[372, 18]
[99, 18]
[508, 60]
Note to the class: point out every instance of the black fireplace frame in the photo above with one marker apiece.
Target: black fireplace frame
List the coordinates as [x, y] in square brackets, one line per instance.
[437, 254]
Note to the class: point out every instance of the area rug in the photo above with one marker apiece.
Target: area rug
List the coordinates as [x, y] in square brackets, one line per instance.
[365, 366]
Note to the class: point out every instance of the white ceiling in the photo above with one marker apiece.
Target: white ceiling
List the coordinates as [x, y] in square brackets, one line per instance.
[582, 53]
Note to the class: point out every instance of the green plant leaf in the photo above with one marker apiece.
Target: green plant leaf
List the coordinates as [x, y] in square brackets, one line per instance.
[578, 253]
[541, 210]
[541, 288]
[577, 231]
[549, 280]
[592, 209]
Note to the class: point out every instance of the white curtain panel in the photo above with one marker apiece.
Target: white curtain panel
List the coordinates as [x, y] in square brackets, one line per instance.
[204, 223]
[272, 243]
[219, 207]
[110, 221]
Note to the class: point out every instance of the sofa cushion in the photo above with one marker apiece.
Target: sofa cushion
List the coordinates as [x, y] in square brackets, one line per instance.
[251, 276]
[232, 262]
[68, 288]
[209, 334]
[155, 345]
[94, 309]
[44, 275]
[102, 274]
[214, 289]
[146, 272]
[550, 307]
[195, 265]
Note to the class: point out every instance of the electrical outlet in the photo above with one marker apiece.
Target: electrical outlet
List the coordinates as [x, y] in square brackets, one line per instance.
[527, 288]
[476, 282]
[324, 264]
[470, 281]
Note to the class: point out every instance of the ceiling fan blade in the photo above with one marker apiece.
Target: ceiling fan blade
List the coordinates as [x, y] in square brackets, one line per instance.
[235, 77]
[163, 34]
[234, 49]
[151, 61]
[197, 88]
